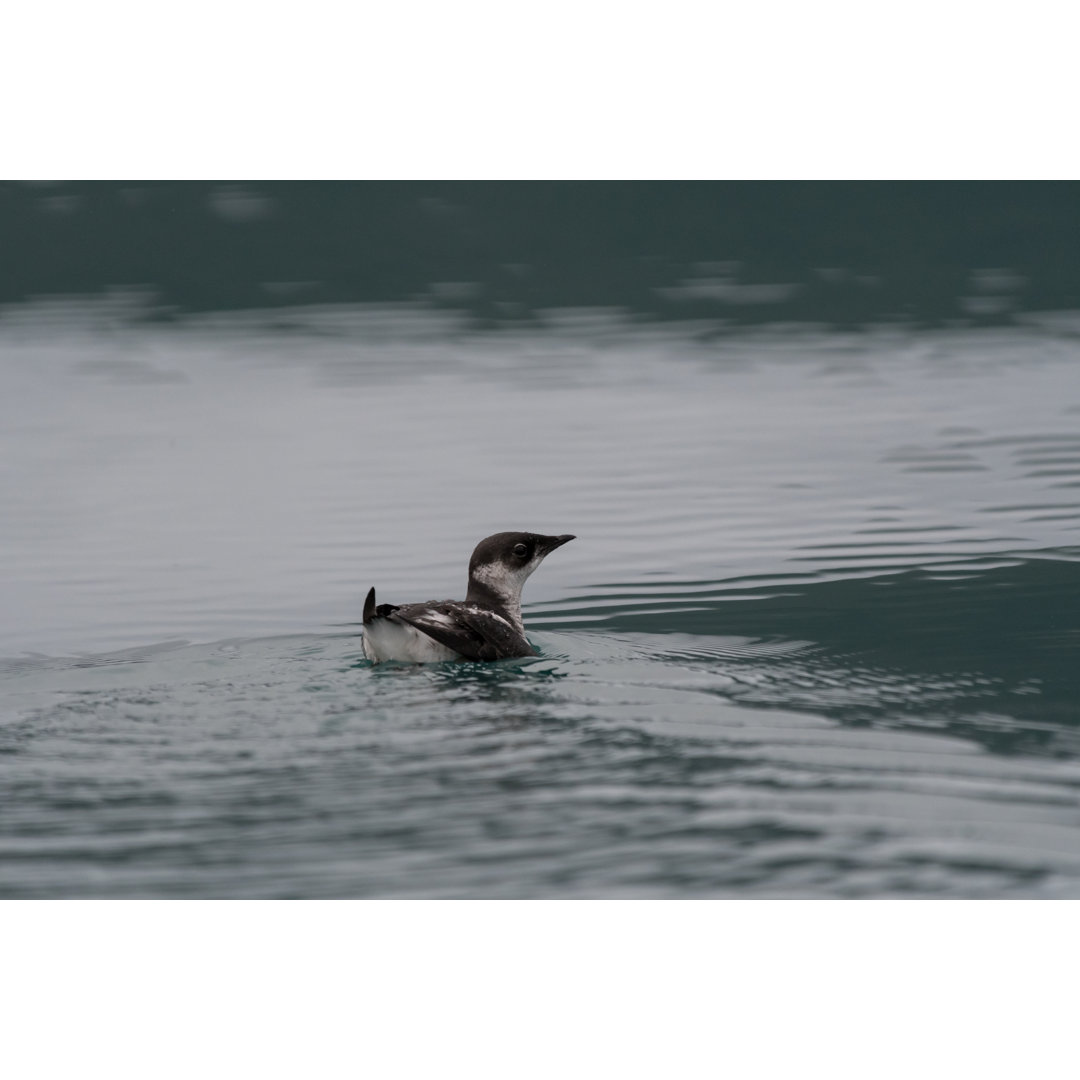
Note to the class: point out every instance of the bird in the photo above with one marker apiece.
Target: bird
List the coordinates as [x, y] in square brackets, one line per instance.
[486, 625]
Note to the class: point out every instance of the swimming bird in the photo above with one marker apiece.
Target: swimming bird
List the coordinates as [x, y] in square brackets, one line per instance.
[486, 625]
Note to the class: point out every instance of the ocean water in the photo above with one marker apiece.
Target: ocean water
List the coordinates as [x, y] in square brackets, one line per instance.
[819, 634]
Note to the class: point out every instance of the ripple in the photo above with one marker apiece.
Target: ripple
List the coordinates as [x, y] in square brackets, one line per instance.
[818, 634]
[617, 764]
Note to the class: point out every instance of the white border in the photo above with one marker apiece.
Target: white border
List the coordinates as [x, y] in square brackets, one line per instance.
[777, 89]
[537, 990]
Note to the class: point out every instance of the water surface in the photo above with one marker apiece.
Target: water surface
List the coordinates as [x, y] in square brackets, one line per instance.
[818, 634]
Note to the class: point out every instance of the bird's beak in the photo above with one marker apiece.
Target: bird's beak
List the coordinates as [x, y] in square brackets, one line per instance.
[552, 542]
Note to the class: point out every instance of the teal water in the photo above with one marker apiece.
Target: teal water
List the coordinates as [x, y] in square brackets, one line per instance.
[818, 635]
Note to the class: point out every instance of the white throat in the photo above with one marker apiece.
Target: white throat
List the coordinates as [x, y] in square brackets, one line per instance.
[506, 584]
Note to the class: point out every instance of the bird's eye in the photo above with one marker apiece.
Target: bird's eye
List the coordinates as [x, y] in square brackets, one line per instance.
[520, 550]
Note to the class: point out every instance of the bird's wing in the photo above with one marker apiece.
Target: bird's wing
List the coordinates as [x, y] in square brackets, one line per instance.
[472, 631]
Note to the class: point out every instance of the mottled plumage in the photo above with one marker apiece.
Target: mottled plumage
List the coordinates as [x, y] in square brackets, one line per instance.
[486, 625]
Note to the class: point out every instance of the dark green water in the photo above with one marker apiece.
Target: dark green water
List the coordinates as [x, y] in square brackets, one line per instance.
[835, 254]
[818, 635]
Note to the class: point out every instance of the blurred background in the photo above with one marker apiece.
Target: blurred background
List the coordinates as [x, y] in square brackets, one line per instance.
[829, 253]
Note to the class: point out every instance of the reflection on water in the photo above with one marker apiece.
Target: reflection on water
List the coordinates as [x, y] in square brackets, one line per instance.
[818, 635]
[838, 253]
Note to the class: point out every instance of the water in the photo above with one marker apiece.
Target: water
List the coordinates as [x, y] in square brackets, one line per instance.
[818, 635]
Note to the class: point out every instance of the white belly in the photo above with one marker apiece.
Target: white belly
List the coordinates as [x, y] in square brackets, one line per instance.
[385, 639]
